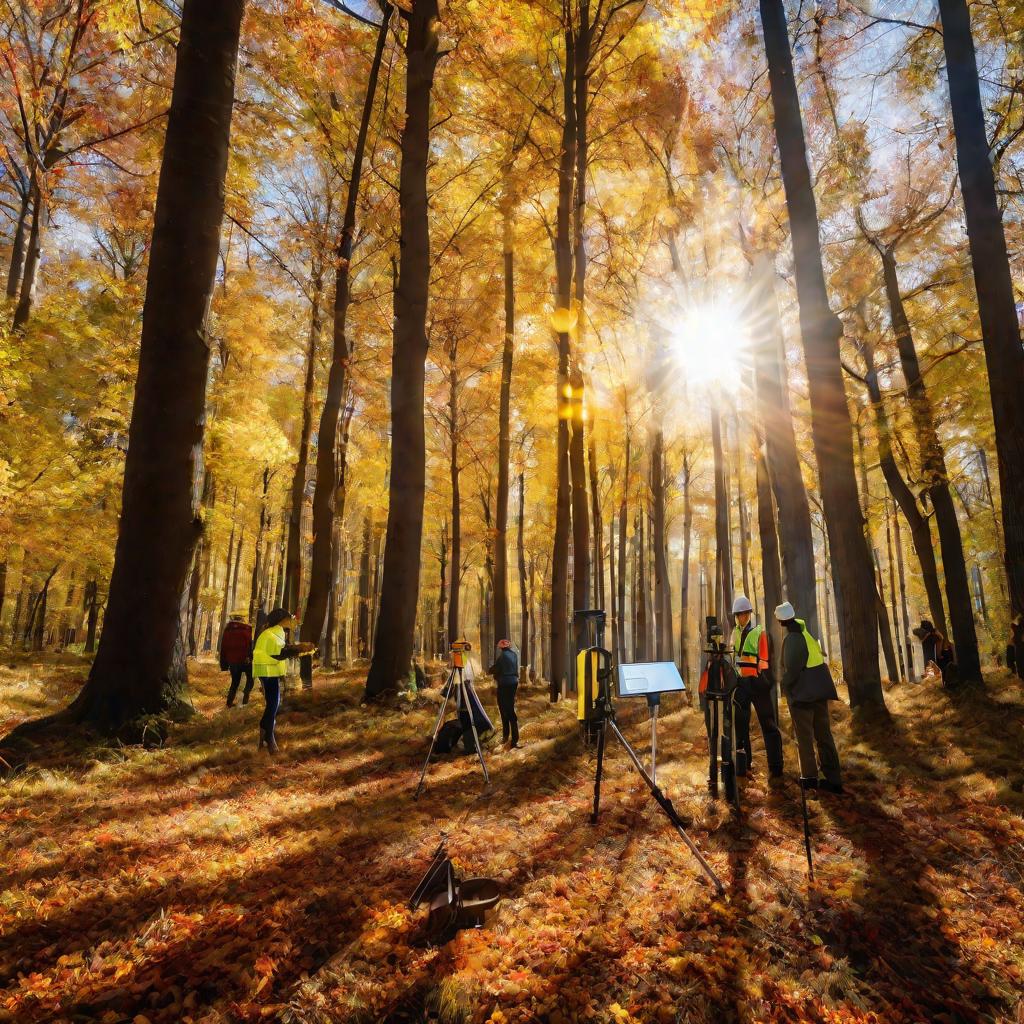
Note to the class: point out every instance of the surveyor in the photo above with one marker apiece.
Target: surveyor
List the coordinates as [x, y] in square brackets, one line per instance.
[236, 655]
[506, 672]
[269, 655]
[750, 644]
[808, 687]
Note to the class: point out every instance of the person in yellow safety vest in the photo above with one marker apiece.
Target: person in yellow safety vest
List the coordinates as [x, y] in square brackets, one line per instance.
[269, 655]
[808, 686]
[754, 687]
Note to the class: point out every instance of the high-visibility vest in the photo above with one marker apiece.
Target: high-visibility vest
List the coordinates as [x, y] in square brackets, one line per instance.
[264, 663]
[751, 650]
[814, 655]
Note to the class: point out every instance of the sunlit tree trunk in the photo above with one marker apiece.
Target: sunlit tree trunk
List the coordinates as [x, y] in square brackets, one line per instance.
[662, 584]
[821, 331]
[326, 486]
[723, 575]
[363, 624]
[933, 464]
[771, 567]
[992, 279]
[524, 602]
[393, 638]
[135, 670]
[684, 595]
[597, 521]
[623, 565]
[33, 251]
[920, 534]
[455, 587]
[17, 261]
[559, 652]
[502, 629]
[293, 546]
[893, 594]
[254, 589]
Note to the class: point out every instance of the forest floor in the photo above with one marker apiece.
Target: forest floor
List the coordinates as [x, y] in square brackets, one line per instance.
[206, 881]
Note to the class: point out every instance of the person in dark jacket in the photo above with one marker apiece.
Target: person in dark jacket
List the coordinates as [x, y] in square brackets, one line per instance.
[506, 671]
[808, 687]
[236, 656]
[937, 649]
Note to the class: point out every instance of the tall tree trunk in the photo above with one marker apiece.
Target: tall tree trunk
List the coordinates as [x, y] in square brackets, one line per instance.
[559, 652]
[907, 643]
[623, 566]
[642, 601]
[771, 568]
[502, 627]
[524, 602]
[363, 624]
[17, 263]
[781, 455]
[684, 589]
[27, 289]
[581, 567]
[933, 464]
[992, 279]
[893, 594]
[662, 584]
[3, 587]
[135, 670]
[297, 493]
[723, 574]
[455, 588]
[442, 594]
[92, 615]
[226, 598]
[326, 486]
[830, 415]
[920, 534]
[393, 640]
[884, 626]
[616, 611]
[255, 598]
[598, 524]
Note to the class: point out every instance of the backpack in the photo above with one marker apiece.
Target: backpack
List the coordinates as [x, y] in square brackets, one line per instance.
[447, 736]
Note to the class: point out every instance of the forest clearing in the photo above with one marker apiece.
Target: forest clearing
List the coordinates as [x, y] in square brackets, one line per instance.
[182, 884]
[511, 511]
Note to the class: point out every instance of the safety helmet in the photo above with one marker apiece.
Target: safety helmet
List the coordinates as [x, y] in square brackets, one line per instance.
[741, 604]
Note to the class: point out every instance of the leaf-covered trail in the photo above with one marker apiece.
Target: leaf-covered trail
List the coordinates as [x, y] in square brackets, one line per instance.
[207, 882]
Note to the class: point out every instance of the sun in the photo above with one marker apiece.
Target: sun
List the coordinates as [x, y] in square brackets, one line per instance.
[710, 342]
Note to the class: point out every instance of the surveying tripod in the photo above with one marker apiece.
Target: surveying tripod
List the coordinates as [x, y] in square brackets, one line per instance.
[455, 683]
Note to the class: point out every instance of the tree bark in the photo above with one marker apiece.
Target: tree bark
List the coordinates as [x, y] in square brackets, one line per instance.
[920, 533]
[907, 643]
[993, 282]
[297, 493]
[623, 566]
[255, 598]
[136, 671]
[830, 415]
[226, 598]
[92, 615]
[17, 263]
[27, 290]
[893, 594]
[393, 639]
[662, 584]
[933, 460]
[326, 486]
[771, 566]
[502, 627]
[598, 523]
[684, 590]
[723, 575]
[559, 652]
[524, 603]
[363, 622]
[455, 587]
[782, 458]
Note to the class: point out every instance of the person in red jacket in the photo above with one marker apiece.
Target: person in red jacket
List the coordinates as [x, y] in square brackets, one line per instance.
[236, 656]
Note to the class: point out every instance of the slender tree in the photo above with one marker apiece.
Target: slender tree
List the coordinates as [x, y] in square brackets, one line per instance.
[821, 331]
[393, 638]
[137, 670]
[992, 279]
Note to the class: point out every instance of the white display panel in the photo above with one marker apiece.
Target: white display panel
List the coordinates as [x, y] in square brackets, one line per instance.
[651, 677]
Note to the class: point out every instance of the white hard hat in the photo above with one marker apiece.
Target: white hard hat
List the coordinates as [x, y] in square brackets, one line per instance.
[741, 604]
[785, 612]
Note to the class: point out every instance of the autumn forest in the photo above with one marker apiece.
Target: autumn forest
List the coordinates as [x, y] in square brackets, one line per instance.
[335, 332]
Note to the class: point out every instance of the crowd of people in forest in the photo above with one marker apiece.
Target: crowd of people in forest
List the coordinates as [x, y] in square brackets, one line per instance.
[806, 684]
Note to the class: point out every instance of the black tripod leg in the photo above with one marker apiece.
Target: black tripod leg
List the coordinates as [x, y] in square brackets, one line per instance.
[807, 832]
[600, 771]
[713, 743]
[476, 738]
[666, 805]
[733, 754]
[437, 729]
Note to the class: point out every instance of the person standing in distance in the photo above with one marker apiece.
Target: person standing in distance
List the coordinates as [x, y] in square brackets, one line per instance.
[754, 686]
[269, 655]
[808, 687]
[506, 671]
[236, 656]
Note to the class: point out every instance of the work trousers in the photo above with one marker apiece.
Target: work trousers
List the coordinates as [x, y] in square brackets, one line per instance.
[812, 728]
[507, 709]
[237, 671]
[272, 695]
[764, 705]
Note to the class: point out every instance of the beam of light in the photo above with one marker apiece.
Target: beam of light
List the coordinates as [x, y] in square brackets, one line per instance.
[710, 342]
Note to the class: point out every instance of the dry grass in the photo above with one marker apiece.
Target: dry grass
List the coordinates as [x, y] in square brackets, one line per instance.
[207, 882]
